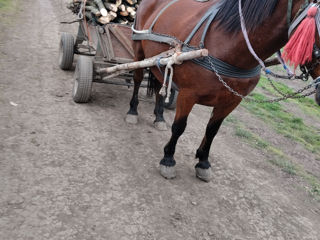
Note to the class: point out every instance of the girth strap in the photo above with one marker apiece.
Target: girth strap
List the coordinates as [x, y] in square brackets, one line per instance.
[223, 68]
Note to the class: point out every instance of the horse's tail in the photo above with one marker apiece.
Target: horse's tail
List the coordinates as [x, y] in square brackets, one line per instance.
[153, 84]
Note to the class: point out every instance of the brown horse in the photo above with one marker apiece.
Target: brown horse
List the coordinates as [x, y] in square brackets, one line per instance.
[266, 21]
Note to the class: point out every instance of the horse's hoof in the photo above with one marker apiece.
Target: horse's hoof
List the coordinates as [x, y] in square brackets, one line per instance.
[131, 119]
[167, 172]
[161, 126]
[204, 174]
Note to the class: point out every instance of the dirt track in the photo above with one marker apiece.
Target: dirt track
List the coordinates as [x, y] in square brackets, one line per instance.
[70, 171]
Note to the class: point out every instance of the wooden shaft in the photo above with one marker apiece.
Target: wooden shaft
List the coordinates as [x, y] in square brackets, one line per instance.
[150, 62]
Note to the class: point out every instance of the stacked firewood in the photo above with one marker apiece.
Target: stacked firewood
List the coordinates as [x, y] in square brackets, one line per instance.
[105, 11]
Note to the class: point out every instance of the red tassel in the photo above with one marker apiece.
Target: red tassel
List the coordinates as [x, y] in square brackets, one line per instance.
[300, 46]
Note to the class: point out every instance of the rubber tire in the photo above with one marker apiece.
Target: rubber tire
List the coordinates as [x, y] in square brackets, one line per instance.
[66, 51]
[172, 100]
[83, 76]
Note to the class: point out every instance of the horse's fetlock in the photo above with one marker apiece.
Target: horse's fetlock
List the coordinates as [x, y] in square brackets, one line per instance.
[168, 162]
[202, 155]
[203, 164]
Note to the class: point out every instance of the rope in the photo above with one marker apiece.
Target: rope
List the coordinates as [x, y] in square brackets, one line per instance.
[280, 59]
[246, 37]
[168, 76]
[253, 53]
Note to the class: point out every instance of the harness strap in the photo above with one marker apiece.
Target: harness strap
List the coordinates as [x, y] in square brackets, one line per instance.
[289, 11]
[156, 37]
[299, 18]
[160, 13]
[210, 14]
[211, 63]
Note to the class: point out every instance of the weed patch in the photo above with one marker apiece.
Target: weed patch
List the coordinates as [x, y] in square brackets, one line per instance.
[251, 138]
[5, 4]
[284, 122]
[285, 165]
[307, 105]
[279, 158]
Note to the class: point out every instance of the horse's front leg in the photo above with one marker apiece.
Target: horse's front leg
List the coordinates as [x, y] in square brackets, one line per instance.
[132, 115]
[203, 167]
[184, 106]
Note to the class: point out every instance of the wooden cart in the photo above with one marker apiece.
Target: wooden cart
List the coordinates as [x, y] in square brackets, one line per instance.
[110, 47]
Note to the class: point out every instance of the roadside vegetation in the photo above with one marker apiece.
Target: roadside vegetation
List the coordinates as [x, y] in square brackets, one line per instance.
[285, 123]
[5, 4]
[8, 8]
[276, 156]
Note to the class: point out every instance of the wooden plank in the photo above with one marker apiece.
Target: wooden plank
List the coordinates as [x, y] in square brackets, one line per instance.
[106, 45]
[123, 39]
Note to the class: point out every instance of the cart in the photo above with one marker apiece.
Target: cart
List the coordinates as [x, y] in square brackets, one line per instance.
[108, 59]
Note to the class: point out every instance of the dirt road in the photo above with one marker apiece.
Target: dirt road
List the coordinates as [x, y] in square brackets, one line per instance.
[70, 171]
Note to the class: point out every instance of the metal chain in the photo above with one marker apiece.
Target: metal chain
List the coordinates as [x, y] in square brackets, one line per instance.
[284, 96]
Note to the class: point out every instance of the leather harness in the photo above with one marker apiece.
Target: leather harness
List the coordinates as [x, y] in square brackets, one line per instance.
[211, 63]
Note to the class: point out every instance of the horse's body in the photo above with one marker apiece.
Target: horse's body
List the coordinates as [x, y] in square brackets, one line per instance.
[198, 85]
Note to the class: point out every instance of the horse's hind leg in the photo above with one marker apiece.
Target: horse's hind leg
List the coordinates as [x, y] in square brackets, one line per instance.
[132, 115]
[184, 106]
[203, 167]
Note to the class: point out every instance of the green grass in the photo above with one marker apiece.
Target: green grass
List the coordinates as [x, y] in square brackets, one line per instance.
[279, 158]
[284, 122]
[8, 10]
[285, 165]
[5, 4]
[251, 138]
[307, 105]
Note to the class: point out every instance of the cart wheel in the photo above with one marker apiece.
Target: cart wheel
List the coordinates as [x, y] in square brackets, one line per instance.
[172, 100]
[83, 76]
[66, 51]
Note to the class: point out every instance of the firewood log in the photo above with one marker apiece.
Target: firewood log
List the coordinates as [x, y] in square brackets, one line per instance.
[105, 11]
[93, 10]
[122, 8]
[111, 6]
[101, 7]
[131, 2]
[124, 13]
[118, 2]
[111, 16]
